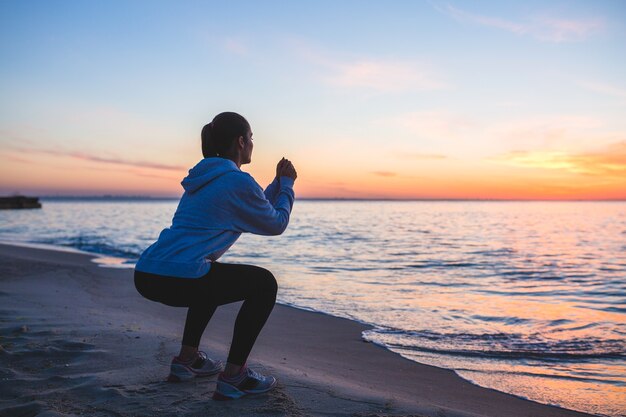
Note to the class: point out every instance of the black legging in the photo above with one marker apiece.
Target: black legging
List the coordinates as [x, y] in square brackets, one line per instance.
[223, 284]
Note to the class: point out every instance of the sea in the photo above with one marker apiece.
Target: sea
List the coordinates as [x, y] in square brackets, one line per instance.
[524, 297]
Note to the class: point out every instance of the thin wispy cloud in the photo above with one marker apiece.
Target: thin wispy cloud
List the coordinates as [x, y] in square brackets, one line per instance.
[553, 131]
[422, 156]
[609, 162]
[369, 73]
[545, 28]
[603, 88]
[140, 164]
[384, 173]
[162, 177]
[494, 22]
[21, 134]
[432, 124]
[235, 46]
[564, 30]
[441, 127]
[101, 159]
[382, 76]
[230, 42]
[19, 159]
[133, 171]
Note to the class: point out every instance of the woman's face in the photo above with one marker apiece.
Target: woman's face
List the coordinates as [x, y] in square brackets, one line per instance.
[247, 150]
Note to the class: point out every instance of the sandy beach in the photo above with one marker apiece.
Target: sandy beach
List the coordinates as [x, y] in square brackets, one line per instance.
[76, 339]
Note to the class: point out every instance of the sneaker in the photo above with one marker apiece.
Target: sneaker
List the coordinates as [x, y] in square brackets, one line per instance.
[247, 382]
[198, 367]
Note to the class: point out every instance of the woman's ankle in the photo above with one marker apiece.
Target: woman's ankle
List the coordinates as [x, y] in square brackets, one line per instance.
[187, 352]
[232, 370]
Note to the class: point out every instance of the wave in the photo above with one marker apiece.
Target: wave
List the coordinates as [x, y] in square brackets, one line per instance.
[598, 380]
[499, 345]
[443, 265]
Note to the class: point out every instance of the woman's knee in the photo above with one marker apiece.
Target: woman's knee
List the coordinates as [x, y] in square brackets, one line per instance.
[267, 282]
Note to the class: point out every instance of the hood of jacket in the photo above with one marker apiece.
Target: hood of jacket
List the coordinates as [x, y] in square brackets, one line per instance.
[206, 171]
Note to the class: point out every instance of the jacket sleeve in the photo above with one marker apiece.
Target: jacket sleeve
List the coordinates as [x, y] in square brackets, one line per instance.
[272, 190]
[254, 213]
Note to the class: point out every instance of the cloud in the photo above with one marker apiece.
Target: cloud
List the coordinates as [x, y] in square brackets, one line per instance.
[564, 30]
[545, 131]
[384, 173]
[609, 162]
[603, 88]
[430, 124]
[135, 172]
[100, 159]
[164, 177]
[382, 76]
[19, 159]
[495, 22]
[414, 155]
[119, 161]
[445, 133]
[367, 73]
[544, 28]
[235, 46]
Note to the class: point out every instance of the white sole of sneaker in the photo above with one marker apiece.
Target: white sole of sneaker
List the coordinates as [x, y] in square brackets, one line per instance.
[181, 373]
[225, 392]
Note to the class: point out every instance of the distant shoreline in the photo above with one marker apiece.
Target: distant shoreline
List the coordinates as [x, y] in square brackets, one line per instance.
[333, 199]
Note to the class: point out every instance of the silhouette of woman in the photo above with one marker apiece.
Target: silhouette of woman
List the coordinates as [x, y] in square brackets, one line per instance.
[180, 269]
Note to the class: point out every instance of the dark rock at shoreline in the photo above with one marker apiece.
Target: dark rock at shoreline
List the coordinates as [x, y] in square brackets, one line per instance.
[19, 202]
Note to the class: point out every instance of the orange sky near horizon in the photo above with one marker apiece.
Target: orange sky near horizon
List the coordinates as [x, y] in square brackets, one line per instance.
[517, 176]
[413, 100]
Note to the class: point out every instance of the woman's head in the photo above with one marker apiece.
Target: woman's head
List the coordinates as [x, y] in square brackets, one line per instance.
[228, 136]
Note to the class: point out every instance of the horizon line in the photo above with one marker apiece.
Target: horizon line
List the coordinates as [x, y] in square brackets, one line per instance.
[142, 197]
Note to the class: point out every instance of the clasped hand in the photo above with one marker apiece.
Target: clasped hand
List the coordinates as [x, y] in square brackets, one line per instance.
[286, 169]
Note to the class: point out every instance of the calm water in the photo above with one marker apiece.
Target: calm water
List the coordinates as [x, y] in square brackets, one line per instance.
[525, 297]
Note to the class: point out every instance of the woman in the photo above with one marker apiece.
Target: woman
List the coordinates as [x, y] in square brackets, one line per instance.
[180, 269]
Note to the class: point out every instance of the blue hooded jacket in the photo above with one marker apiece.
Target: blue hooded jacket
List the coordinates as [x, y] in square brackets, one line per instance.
[219, 203]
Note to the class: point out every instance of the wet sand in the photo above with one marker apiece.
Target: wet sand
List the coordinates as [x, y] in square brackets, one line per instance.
[77, 339]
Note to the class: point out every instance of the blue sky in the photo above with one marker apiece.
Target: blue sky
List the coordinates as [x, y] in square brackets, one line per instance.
[368, 99]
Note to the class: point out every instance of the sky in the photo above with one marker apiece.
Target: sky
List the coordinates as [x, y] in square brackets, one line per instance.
[398, 99]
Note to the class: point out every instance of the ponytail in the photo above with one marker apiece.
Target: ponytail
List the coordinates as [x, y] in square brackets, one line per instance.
[208, 147]
[218, 136]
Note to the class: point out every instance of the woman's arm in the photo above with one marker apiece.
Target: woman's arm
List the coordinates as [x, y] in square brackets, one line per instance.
[272, 190]
[255, 213]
